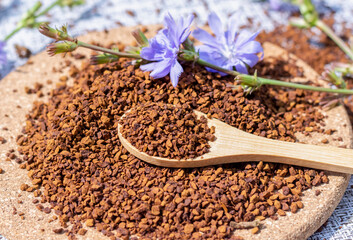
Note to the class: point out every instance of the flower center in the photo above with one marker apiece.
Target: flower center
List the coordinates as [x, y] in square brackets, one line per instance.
[230, 53]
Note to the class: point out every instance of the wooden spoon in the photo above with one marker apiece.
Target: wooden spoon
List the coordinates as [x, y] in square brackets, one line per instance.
[233, 145]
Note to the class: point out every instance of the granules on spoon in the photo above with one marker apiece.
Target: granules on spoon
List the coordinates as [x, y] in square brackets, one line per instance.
[167, 131]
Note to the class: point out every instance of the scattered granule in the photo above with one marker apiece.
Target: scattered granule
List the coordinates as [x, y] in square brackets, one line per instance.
[2, 140]
[46, 210]
[166, 131]
[58, 230]
[63, 78]
[89, 222]
[22, 51]
[281, 212]
[255, 230]
[189, 228]
[1, 170]
[40, 207]
[14, 211]
[37, 88]
[82, 231]
[12, 156]
[28, 90]
[24, 186]
[300, 204]
[293, 207]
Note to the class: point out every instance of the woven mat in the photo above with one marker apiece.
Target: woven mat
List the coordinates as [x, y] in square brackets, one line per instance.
[105, 14]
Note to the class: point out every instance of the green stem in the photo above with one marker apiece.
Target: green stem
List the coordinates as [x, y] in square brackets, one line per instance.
[256, 82]
[106, 50]
[18, 28]
[207, 64]
[265, 81]
[46, 10]
[328, 31]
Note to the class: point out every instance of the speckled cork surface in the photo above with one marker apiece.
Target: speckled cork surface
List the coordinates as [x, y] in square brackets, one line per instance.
[16, 104]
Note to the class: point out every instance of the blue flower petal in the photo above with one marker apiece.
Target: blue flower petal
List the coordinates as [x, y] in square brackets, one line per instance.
[172, 29]
[276, 4]
[204, 37]
[149, 54]
[232, 31]
[252, 47]
[161, 69]
[3, 58]
[245, 37]
[186, 29]
[241, 67]
[175, 73]
[148, 67]
[215, 24]
[249, 59]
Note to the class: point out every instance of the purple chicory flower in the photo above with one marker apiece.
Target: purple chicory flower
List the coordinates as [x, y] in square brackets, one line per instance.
[228, 49]
[275, 4]
[3, 58]
[163, 49]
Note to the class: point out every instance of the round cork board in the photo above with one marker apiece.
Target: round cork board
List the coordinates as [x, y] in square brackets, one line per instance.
[16, 103]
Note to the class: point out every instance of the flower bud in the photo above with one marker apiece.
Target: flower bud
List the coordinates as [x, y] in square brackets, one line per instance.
[140, 38]
[63, 47]
[188, 55]
[189, 45]
[48, 31]
[57, 34]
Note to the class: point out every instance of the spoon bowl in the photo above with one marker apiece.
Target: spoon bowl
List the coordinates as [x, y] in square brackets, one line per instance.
[233, 145]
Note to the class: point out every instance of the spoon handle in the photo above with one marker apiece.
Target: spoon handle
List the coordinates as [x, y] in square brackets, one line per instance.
[306, 155]
[236, 146]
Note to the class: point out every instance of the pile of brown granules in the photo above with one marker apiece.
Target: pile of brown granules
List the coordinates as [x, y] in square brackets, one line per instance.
[72, 151]
[164, 130]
